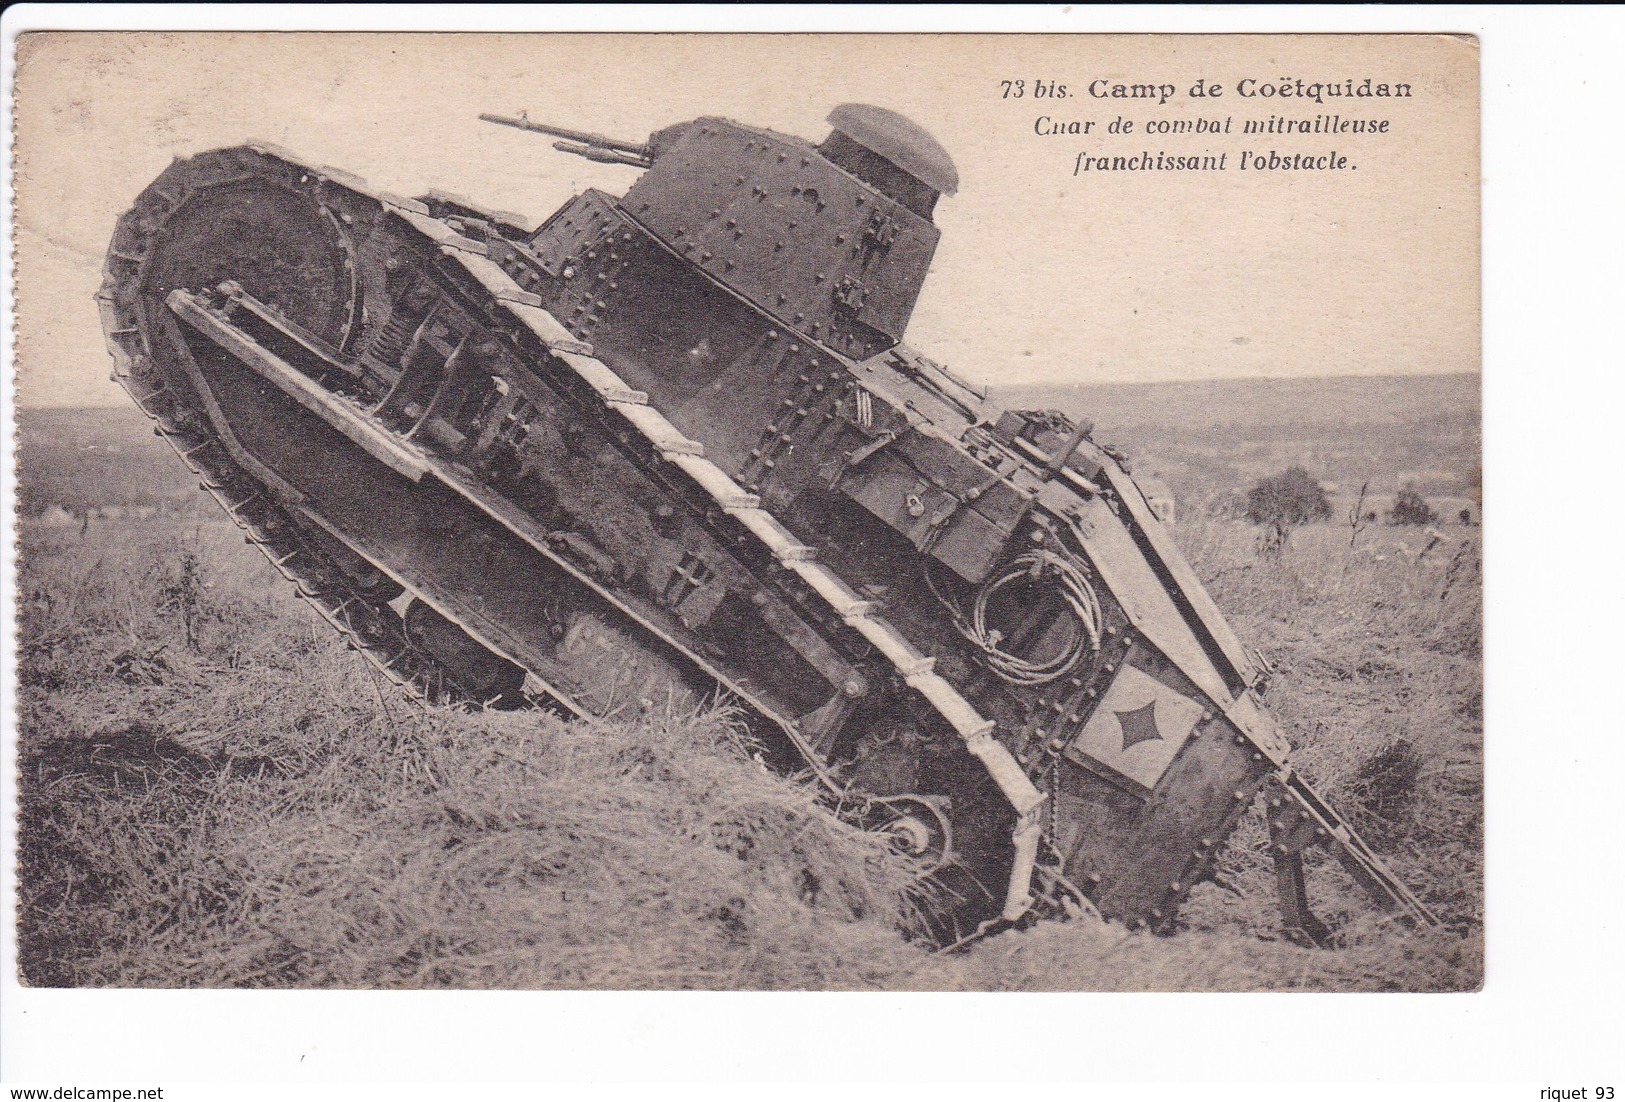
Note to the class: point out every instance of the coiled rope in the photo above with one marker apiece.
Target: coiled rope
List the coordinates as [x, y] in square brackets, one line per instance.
[1084, 624]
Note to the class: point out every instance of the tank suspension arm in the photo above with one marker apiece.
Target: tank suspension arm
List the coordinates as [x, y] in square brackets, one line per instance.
[594, 147]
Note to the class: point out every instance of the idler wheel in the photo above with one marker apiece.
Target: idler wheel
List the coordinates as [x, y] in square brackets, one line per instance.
[275, 241]
[480, 674]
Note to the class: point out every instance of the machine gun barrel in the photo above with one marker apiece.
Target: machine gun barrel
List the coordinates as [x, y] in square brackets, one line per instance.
[599, 153]
[595, 147]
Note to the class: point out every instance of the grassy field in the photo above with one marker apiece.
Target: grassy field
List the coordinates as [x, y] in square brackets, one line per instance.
[214, 792]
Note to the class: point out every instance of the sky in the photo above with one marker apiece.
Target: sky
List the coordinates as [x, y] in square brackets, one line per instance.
[1042, 275]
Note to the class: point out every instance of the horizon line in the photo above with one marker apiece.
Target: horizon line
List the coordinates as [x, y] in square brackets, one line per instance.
[18, 407]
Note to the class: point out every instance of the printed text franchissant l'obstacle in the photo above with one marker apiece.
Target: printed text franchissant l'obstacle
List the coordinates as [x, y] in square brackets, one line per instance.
[1247, 161]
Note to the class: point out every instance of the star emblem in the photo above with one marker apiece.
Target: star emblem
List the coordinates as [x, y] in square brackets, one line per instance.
[1139, 725]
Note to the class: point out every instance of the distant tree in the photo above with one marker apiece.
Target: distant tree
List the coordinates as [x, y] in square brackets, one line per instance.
[1290, 498]
[1411, 507]
[1282, 502]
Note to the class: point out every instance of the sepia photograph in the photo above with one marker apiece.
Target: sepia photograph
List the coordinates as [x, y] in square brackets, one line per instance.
[749, 512]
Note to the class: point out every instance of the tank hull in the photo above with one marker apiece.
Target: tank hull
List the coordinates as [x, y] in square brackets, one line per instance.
[565, 466]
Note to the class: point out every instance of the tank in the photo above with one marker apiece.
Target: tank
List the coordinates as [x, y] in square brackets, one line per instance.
[670, 446]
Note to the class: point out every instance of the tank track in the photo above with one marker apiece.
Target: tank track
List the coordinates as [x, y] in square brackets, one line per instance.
[369, 626]
[376, 630]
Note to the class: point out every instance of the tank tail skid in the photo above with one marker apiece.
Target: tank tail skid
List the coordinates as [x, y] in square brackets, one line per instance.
[1299, 818]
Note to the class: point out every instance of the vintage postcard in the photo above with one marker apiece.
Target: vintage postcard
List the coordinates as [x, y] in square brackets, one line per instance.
[751, 512]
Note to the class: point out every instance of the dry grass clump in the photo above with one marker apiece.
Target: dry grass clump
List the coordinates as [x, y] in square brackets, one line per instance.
[254, 811]
[1092, 956]
[215, 793]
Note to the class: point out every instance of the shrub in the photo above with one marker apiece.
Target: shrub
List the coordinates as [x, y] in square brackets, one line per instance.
[1411, 508]
[1288, 499]
[1282, 503]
